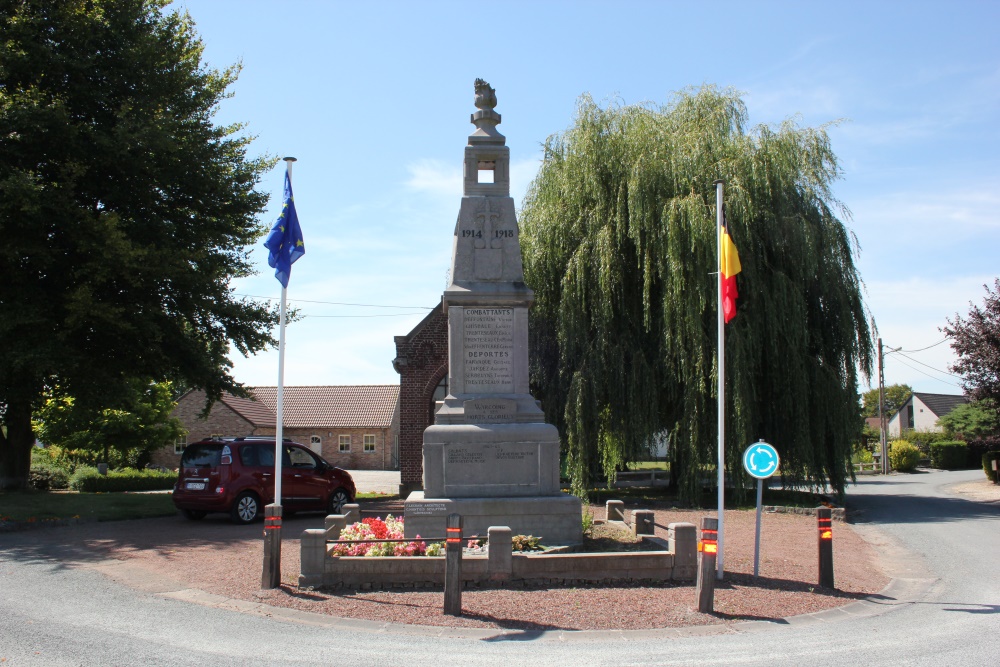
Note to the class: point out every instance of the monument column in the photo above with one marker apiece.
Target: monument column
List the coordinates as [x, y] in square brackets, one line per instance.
[489, 455]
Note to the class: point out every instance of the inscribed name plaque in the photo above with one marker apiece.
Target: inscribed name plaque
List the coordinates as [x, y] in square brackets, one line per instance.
[490, 410]
[488, 342]
[505, 463]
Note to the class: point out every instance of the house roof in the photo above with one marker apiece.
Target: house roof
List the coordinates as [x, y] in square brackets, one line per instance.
[340, 406]
[941, 404]
[253, 411]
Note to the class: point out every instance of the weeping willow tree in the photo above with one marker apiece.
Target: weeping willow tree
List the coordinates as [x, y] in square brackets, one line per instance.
[618, 233]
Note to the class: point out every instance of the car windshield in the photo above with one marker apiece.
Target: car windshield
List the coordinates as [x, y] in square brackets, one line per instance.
[201, 455]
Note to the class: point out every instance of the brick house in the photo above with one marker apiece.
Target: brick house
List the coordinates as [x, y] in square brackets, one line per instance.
[422, 363]
[354, 427]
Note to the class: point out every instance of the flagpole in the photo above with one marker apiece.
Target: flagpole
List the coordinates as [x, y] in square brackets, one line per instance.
[280, 424]
[719, 215]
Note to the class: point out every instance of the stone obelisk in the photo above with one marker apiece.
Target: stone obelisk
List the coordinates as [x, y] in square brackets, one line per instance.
[489, 455]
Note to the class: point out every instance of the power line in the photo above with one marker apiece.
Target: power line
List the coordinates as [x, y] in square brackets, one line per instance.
[928, 347]
[927, 374]
[938, 370]
[386, 315]
[334, 303]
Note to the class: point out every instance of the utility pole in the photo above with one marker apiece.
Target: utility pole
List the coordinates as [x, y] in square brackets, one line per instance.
[881, 411]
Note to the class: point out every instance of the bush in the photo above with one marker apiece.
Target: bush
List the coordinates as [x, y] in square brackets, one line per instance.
[88, 480]
[981, 446]
[47, 477]
[949, 455]
[923, 440]
[903, 455]
[70, 459]
[988, 459]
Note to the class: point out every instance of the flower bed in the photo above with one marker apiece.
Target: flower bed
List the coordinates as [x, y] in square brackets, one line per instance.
[378, 529]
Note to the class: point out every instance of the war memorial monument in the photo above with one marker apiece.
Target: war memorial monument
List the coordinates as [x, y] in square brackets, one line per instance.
[489, 455]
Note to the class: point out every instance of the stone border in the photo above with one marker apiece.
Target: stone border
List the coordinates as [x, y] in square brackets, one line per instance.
[672, 559]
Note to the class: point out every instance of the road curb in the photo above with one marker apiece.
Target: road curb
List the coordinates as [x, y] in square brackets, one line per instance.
[898, 593]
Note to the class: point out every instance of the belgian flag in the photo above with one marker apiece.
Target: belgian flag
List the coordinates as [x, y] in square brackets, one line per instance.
[729, 266]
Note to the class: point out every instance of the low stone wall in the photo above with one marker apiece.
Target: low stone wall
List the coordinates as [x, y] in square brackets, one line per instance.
[674, 558]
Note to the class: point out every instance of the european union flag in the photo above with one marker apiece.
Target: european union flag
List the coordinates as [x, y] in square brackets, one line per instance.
[285, 240]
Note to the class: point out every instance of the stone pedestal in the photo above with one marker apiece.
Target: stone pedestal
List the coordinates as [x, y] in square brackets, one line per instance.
[555, 519]
[490, 456]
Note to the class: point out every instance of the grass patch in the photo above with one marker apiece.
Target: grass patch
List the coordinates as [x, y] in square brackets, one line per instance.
[44, 506]
[374, 495]
[649, 465]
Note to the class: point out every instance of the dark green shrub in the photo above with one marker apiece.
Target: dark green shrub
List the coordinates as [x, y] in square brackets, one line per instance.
[988, 459]
[903, 456]
[46, 478]
[87, 479]
[80, 475]
[981, 446]
[923, 440]
[949, 454]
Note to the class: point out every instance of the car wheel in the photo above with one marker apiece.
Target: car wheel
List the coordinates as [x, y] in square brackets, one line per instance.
[194, 515]
[246, 509]
[338, 499]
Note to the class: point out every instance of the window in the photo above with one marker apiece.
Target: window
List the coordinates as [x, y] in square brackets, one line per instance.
[300, 458]
[179, 444]
[345, 443]
[369, 443]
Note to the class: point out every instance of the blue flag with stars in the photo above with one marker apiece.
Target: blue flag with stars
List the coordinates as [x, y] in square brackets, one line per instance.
[285, 240]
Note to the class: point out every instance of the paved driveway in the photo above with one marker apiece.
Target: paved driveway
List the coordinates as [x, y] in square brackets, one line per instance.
[376, 481]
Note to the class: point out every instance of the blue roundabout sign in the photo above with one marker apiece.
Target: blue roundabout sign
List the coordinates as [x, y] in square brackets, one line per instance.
[761, 460]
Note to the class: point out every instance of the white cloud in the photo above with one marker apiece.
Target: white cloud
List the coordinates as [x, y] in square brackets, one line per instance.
[436, 178]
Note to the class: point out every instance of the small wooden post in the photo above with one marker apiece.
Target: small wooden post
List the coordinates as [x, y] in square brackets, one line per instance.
[825, 547]
[708, 549]
[453, 566]
[271, 576]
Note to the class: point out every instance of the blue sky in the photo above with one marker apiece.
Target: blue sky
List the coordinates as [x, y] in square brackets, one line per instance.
[374, 98]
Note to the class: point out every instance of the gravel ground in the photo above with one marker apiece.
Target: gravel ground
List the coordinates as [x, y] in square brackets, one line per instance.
[218, 557]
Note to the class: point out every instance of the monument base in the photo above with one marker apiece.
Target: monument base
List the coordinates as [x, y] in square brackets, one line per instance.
[557, 520]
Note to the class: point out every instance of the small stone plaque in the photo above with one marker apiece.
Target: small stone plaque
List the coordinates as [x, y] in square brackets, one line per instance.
[425, 509]
[490, 410]
[501, 463]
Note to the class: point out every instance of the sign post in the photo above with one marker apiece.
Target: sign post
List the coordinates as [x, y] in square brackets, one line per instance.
[760, 460]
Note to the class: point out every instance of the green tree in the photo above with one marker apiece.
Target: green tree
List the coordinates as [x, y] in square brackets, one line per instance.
[125, 213]
[895, 396]
[971, 421]
[619, 243]
[140, 421]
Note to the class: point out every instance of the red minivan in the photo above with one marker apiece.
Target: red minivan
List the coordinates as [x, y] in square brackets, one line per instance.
[236, 475]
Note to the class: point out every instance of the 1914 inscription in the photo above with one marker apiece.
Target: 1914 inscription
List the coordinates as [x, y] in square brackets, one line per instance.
[489, 350]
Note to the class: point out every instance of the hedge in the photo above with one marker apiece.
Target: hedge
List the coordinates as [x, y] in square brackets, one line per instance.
[46, 478]
[988, 458]
[89, 480]
[949, 454]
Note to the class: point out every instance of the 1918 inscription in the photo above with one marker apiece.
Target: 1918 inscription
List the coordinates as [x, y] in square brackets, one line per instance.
[489, 350]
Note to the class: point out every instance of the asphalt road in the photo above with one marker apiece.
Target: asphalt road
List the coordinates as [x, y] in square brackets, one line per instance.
[942, 609]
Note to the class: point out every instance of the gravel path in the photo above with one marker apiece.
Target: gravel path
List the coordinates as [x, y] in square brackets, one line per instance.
[218, 557]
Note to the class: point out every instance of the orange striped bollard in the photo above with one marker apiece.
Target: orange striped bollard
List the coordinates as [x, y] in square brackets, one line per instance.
[708, 550]
[271, 576]
[825, 522]
[453, 566]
